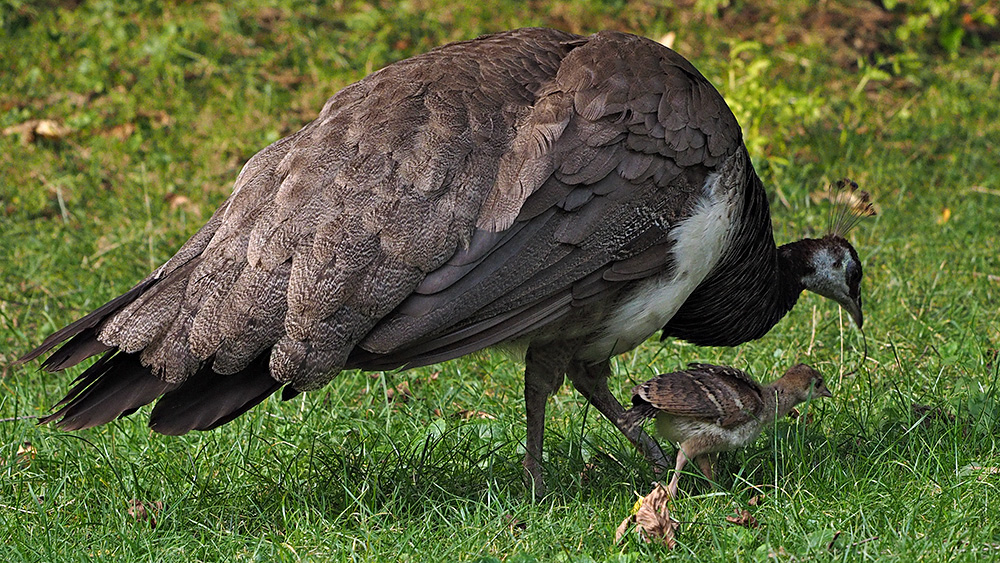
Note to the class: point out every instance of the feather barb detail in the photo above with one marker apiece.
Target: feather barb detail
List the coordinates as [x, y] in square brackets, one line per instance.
[850, 206]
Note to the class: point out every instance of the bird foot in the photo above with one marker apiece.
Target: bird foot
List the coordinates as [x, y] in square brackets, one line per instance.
[660, 463]
[672, 490]
[532, 477]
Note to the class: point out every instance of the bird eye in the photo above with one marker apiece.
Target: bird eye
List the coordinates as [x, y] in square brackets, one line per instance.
[853, 274]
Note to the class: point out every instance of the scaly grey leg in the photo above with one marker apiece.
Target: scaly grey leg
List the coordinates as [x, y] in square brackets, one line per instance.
[544, 369]
[591, 380]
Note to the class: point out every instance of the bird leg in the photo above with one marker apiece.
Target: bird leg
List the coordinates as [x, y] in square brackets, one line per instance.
[543, 374]
[681, 460]
[591, 380]
[706, 462]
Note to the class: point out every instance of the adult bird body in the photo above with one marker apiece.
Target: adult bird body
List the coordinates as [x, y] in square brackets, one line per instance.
[567, 195]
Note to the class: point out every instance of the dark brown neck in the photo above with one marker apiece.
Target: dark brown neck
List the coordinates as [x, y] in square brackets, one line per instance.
[752, 288]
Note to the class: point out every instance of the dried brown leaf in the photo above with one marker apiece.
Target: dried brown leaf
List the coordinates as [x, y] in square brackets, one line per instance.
[34, 128]
[756, 500]
[466, 414]
[401, 392]
[743, 518]
[177, 200]
[26, 453]
[514, 523]
[653, 518]
[142, 512]
[623, 527]
[944, 217]
[52, 130]
[982, 472]
[121, 132]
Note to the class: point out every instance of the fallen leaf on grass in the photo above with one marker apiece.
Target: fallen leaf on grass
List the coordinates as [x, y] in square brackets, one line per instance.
[466, 414]
[176, 201]
[652, 519]
[400, 392]
[755, 500]
[514, 523]
[932, 413]
[982, 472]
[26, 453]
[743, 518]
[49, 129]
[35, 128]
[121, 132]
[142, 512]
[157, 118]
[944, 217]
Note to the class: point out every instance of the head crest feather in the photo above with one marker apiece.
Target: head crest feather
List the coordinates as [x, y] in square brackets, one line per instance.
[850, 206]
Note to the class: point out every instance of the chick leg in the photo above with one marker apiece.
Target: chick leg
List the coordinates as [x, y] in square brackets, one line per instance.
[706, 462]
[681, 460]
[591, 380]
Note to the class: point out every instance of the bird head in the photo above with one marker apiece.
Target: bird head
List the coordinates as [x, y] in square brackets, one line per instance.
[801, 382]
[832, 269]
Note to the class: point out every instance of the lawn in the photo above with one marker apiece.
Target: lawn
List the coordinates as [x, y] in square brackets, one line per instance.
[150, 111]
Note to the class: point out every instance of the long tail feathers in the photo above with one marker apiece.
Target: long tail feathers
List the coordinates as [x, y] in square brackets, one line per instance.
[83, 333]
[208, 399]
[117, 384]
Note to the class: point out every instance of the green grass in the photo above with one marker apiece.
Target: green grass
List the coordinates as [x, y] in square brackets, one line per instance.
[166, 101]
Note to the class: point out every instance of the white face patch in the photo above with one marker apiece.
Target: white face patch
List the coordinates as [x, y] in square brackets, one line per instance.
[699, 243]
[829, 277]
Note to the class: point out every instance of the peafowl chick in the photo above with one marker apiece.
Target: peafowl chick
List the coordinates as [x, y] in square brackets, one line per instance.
[708, 409]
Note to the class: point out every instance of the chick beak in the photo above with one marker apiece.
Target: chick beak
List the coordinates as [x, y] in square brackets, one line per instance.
[822, 391]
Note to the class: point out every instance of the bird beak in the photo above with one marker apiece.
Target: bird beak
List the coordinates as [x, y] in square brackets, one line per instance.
[853, 307]
[822, 391]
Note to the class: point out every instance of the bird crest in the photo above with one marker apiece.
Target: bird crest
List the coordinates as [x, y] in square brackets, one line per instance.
[850, 206]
